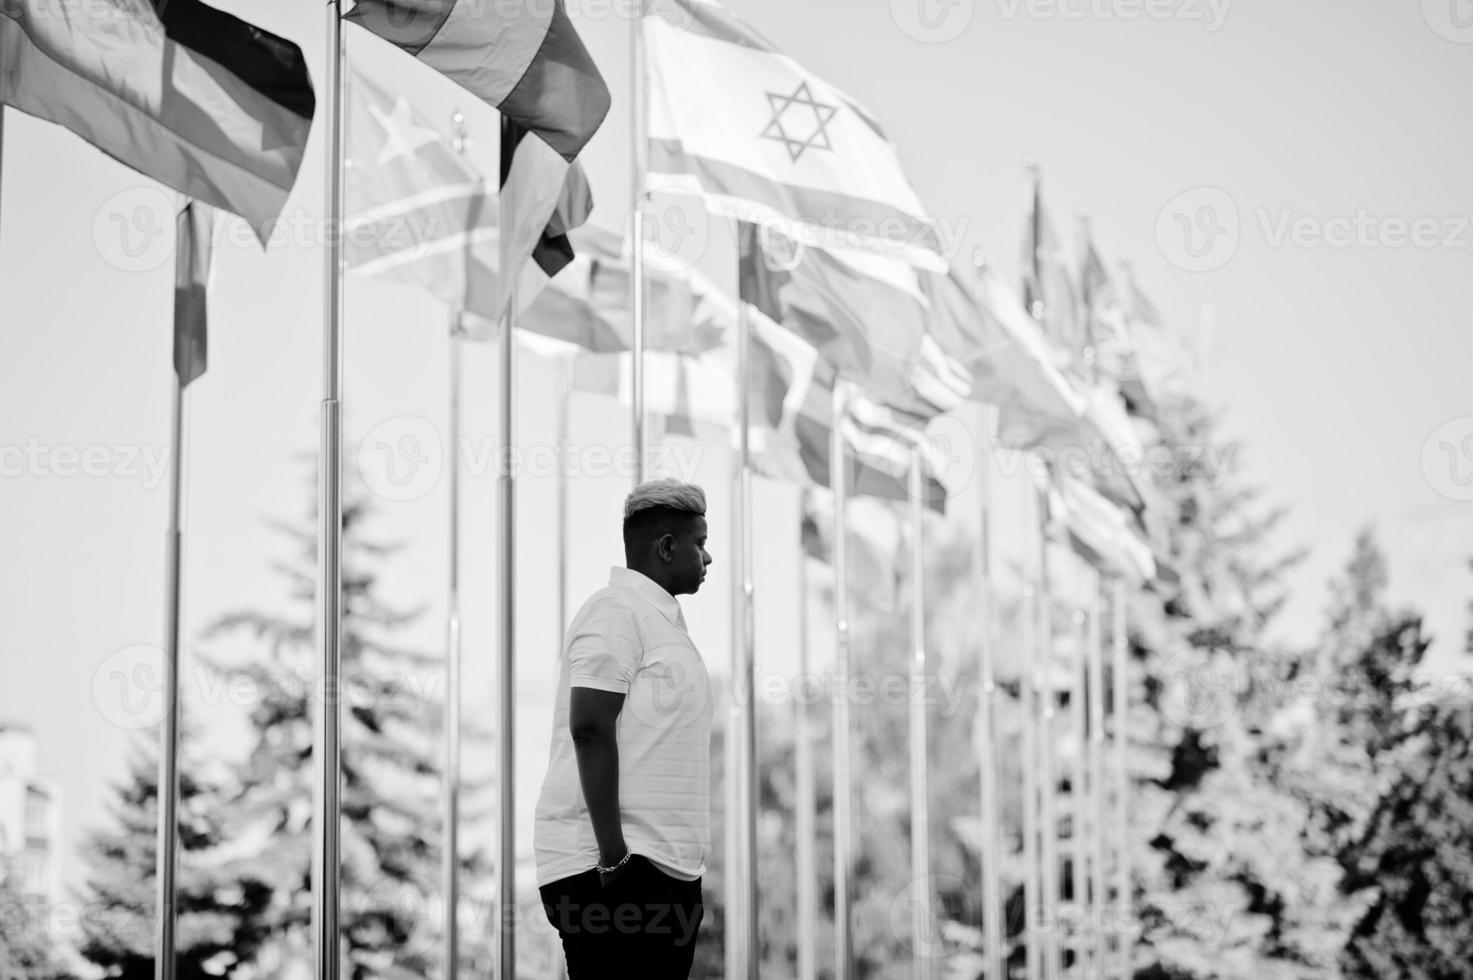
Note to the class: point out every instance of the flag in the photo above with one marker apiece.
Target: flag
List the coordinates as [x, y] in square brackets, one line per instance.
[1099, 532]
[1160, 369]
[1049, 292]
[866, 315]
[419, 214]
[1005, 352]
[201, 101]
[525, 59]
[192, 254]
[762, 139]
[880, 439]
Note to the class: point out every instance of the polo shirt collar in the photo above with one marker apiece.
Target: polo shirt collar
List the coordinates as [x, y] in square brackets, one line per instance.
[649, 590]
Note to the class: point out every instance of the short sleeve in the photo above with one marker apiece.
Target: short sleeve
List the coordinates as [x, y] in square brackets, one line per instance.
[604, 649]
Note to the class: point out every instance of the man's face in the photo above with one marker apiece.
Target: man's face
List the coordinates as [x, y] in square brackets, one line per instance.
[689, 557]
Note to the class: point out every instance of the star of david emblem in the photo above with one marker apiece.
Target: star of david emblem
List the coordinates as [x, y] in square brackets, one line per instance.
[799, 121]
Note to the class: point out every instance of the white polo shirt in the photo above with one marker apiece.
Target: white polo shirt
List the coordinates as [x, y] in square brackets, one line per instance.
[630, 638]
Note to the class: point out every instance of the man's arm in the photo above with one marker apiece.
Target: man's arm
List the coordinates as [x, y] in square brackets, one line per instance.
[592, 719]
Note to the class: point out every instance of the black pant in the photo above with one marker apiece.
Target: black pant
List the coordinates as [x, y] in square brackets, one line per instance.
[642, 926]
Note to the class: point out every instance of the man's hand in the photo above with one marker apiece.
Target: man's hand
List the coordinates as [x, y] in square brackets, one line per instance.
[608, 878]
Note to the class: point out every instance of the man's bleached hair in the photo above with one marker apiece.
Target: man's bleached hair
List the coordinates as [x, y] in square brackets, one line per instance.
[669, 493]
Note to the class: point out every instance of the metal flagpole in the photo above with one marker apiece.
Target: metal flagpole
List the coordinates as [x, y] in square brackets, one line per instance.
[165, 961]
[327, 809]
[450, 858]
[1033, 925]
[807, 884]
[506, 673]
[638, 165]
[566, 368]
[1095, 692]
[992, 904]
[843, 784]
[920, 801]
[1119, 666]
[1079, 794]
[744, 666]
[1048, 810]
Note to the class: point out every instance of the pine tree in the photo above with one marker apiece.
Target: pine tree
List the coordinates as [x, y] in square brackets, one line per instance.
[222, 900]
[25, 945]
[392, 718]
[1417, 853]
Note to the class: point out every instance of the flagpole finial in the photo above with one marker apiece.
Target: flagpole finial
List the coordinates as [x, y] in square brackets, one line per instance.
[1030, 164]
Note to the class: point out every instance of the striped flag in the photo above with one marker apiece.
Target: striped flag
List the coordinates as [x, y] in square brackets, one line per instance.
[1100, 532]
[193, 249]
[880, 438]
[200, 101]
[524, 58]
[419, 214]
[866, 315]
[1161, 369]
[763, 139]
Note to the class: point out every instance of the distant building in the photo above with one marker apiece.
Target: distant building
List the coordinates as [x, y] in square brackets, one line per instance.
[30, 817]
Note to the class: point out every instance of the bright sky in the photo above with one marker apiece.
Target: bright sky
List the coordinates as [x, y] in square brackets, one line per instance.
[1338, 363]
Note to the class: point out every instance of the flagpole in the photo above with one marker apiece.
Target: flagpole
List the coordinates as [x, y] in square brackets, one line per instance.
[564, 390]
[1096, 694]
[992, 904]
[1124, 897]
[1048, 810]
[920, 804]
[506, 610]
[450, 859]
[1033, 909]
[807, 885]
[1079, 791]
[744, 672]
[843, 786]
[638, 165]
[327, 719]
[167, 857]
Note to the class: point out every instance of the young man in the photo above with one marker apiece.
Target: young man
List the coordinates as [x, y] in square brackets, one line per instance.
[623, 821]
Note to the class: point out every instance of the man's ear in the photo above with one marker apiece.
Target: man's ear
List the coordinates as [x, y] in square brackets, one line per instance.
[665, 546]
